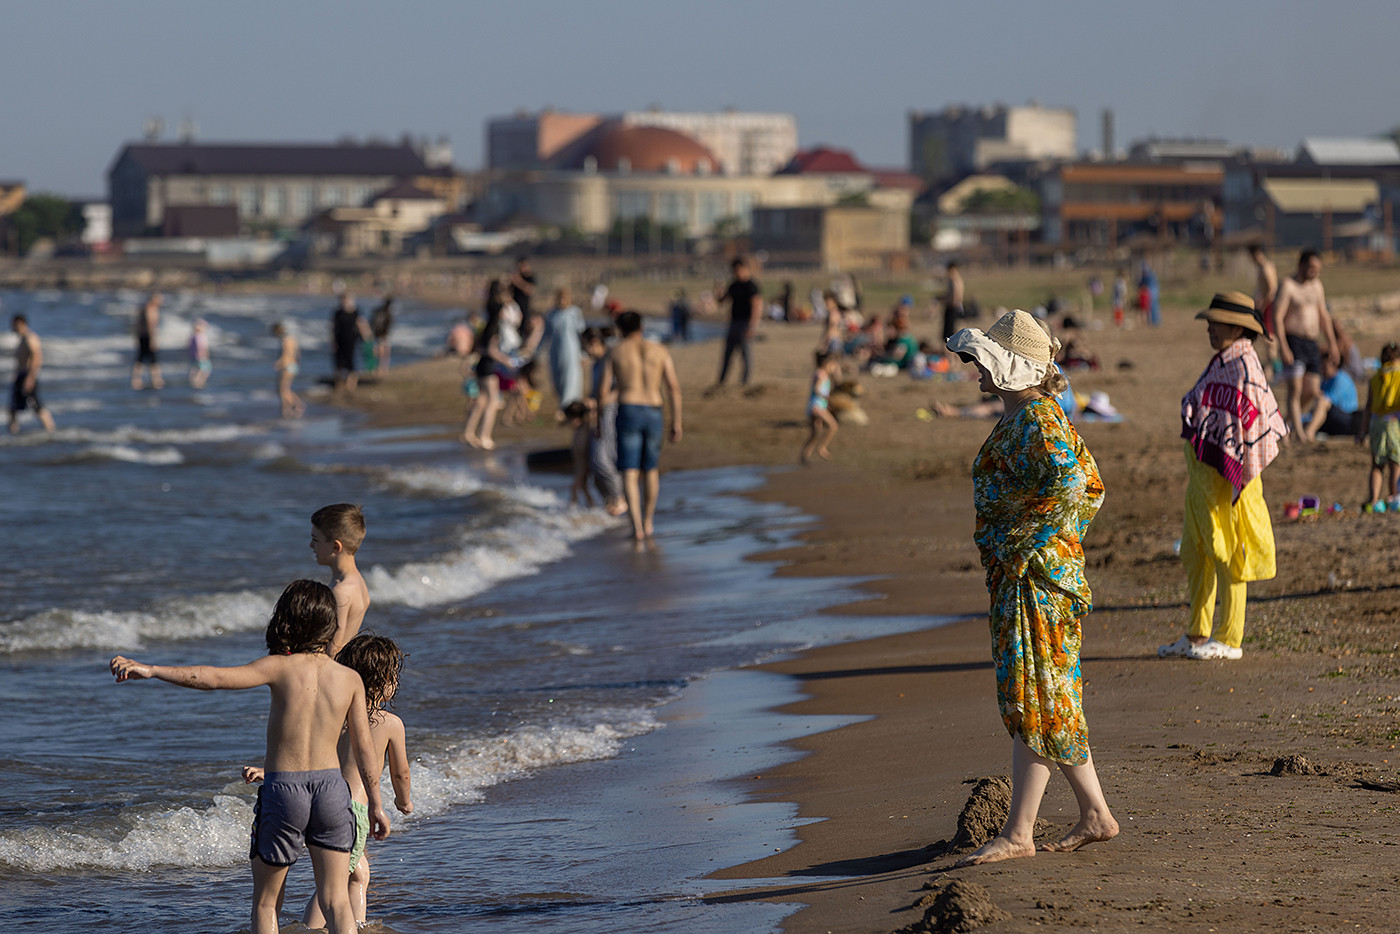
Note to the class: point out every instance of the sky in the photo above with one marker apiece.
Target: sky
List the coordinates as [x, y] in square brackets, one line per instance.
[80, 78]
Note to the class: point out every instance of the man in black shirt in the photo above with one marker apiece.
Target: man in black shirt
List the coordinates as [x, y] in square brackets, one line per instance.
[745, 308]
[347, 330]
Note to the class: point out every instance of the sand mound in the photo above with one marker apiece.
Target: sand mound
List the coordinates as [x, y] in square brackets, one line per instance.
[958, 907]
[1295, 765]
[984, 813]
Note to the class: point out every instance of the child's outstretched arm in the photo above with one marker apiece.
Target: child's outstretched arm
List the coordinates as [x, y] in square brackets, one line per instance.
[398, 767]
[201, 677]
[361, 747]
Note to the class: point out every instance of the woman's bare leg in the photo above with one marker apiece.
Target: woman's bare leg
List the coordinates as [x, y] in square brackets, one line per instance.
[1030, 774]
[1096, 823]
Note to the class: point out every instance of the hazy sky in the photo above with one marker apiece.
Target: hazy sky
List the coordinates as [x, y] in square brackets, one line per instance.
[80, 78]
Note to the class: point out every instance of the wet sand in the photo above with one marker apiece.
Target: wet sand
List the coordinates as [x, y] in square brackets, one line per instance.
[1211, 839]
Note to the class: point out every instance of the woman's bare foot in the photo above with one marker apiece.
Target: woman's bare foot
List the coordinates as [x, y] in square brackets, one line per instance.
[486, 444]
[470, 440]
[824, 454]
[995, 850]
[1088, 830]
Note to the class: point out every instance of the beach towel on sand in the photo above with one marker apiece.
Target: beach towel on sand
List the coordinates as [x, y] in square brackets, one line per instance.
[1231, 418]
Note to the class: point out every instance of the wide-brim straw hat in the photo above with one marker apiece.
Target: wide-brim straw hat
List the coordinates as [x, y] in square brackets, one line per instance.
[1015, 350]
[1234, 308]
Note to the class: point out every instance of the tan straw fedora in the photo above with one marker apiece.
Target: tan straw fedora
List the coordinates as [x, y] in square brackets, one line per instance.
[1234, 308]
[1015, 350]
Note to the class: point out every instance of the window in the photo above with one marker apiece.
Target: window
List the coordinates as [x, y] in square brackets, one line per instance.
[303, 200]
[332, 196]
[630, 204]
[219, 194]
[743, 208]
[673, 207]
[247, 201]
[711, 209]
[274, 201]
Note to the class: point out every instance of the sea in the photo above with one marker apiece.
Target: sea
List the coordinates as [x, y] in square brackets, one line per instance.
[582, 731]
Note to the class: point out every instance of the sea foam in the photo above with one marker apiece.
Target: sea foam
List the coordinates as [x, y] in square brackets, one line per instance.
[217, 835]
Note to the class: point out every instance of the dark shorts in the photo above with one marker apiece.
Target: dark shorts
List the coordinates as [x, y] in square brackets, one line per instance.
[1306, 356]
[21, 400]
[639, 430]
[145, 353]
[301, 808]
[345, 357]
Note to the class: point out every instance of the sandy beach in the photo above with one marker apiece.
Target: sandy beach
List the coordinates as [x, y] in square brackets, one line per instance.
[1212, 839]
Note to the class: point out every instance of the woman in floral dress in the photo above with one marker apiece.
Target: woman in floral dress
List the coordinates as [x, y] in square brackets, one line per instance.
[1035, 487]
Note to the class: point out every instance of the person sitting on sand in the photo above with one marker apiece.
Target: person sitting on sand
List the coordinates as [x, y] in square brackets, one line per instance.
[1035, 487]
[1233, 427]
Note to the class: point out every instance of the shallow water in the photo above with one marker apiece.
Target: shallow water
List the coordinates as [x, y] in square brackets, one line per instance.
[571, 705]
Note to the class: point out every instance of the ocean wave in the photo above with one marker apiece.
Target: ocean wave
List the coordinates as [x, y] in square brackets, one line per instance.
[182, 618]
[217, 835]
[519, 549]
[156, 457]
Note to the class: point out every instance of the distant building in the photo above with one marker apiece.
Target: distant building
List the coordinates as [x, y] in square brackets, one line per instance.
[832, 237]
[1175, 151]
[383, 227]
[1345, 151]
[958, 140]
[270, 185]
[12, 195]
[1099, 204]
[740, 143]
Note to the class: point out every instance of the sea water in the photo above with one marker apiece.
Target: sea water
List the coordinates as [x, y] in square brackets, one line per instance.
[572, 707]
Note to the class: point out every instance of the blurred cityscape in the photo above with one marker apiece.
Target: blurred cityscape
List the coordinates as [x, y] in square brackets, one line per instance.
[995, 184]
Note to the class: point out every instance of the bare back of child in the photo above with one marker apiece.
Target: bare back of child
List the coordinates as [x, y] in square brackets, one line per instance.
[304, 798]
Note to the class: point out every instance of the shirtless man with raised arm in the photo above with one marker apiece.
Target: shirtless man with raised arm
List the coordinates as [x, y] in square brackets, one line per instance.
[644, 378]
[304, 798]
[1300, 315]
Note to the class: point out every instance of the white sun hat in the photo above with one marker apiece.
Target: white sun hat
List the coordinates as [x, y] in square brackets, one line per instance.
[1015, 350]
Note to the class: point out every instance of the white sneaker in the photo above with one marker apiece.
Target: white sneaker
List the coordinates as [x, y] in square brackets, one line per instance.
[1181, 648]
[1215, 649]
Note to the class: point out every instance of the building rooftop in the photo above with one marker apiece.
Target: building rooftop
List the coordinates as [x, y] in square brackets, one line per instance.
[275, 159]
[1349, 151]
[823, 159]
[1316, 195]
[613, 146]
[405, 191]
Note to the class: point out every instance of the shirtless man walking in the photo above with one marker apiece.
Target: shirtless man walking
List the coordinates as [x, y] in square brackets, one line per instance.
[1300, 315]
[642, 372]
[29, 359]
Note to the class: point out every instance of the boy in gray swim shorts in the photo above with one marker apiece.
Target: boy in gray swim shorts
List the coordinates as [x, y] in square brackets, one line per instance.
[305, 797]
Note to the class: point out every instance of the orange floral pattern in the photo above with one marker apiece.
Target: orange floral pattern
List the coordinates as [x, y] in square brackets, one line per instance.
[1036, 487]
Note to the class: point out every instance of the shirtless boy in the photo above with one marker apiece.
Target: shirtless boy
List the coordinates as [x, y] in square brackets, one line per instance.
[379, 662]
[642, 373]
[1301, 318]
[145, 327]
[29, 359]
[305, 797]
[336, 534]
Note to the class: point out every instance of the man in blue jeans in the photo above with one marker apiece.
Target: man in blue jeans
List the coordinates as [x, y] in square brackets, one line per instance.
[745, 309]
[644, 377]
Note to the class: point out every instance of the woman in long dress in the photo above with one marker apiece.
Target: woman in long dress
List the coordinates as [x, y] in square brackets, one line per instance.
[1035, 487]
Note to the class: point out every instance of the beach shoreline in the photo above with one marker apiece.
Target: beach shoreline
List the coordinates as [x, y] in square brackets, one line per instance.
[1185, 750]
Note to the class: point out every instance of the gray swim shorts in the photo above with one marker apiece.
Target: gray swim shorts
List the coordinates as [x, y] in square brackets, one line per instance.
[296, 808]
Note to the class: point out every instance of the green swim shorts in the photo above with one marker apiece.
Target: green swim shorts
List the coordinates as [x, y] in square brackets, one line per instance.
[361, 832]
[1385, 440]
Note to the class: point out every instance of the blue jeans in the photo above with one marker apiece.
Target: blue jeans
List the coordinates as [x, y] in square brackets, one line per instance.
[639, 430]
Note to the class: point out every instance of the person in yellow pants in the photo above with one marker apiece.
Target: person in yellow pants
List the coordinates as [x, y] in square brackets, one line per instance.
[1232, 426]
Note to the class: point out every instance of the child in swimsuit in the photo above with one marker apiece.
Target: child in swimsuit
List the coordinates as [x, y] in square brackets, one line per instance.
[287, 367]
[819, 418]
[1380, 424]
[200, 364]
[316, 704]
[379, 662]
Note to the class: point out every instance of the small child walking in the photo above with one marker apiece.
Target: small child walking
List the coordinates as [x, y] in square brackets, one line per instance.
[200, 364]
[379, 663]
[579, 417]
[819, 418]
[1380, 422]
[317, 705]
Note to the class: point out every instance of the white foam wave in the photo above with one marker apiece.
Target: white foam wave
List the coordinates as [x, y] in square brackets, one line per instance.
[156, 457]
[181, 618]
[217, 836]
[135, 434]
[519, 549]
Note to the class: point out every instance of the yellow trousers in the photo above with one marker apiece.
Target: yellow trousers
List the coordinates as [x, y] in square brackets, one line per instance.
[1225, 542]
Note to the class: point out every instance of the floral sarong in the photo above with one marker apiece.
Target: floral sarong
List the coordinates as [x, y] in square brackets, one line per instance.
[1036, 487]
